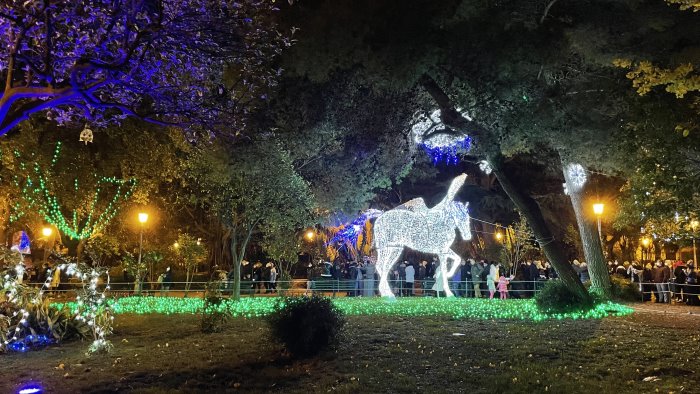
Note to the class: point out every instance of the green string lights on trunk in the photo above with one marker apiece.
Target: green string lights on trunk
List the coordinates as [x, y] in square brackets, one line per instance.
[84, 220]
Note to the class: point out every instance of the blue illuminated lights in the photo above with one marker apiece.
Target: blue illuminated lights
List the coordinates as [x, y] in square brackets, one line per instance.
[350, 232]
[31, 389]
[448, 154]
[443, 144]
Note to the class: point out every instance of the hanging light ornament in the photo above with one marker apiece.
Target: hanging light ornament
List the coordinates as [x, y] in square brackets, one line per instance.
[485, 167]
[86, 135]
[441, 143]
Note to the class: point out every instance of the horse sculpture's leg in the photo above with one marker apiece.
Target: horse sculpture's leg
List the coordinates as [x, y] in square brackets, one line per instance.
[386, 257]
[447, 274]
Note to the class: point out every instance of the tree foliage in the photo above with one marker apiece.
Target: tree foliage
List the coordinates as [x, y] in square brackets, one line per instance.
[166, 61]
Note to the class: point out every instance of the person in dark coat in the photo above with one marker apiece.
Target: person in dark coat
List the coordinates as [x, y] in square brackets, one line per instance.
[534, 275]
[477, 270]
[661, 276]
[467, 278]
[420, 275]
[679, 278]
[167, 281]
[648, 287]
[691, 280]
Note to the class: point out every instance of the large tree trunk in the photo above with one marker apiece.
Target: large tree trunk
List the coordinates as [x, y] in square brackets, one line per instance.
[533, 214]
[488, 145]
[592, 247]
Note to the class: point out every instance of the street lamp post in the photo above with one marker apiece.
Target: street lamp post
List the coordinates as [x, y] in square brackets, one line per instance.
[694, 226]
[143, 218]
[598, 210]
[645, 248]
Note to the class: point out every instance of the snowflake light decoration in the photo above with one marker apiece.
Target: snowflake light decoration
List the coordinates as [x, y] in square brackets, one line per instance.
[428, 230]
[442, 144]
[577, 177]
[485, 167]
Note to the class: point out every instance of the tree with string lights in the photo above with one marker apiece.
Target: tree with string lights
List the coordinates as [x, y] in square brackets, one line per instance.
[80, 204]
[174, 62]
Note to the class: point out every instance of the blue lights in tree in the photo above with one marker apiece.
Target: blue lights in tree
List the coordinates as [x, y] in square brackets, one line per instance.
[24, 243]
[351, 231]
[444, 145]
[448, 154]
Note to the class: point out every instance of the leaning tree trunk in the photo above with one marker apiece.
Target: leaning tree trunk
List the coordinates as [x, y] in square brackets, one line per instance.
[592, 247]
[488, 143]
[533, 214]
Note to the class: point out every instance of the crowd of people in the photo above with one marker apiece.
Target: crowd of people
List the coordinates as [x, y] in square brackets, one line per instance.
[660, 282]
[471, 279]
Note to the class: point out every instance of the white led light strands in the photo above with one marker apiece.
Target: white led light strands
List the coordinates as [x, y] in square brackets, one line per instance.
[415, 226]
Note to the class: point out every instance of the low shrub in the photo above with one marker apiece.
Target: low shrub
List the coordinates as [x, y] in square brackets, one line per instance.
[214, 317]
[306, 325]
[556, 297]
[625, 290]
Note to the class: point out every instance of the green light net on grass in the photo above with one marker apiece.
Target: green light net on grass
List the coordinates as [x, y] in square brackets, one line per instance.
[482, 309]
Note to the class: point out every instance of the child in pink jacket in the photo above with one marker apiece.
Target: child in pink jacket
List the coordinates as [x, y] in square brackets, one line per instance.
[503, 286]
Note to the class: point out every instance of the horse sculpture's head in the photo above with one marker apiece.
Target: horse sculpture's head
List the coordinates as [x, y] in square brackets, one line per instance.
[460, 213]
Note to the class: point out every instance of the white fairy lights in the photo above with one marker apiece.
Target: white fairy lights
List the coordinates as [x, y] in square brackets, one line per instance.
[415, 226]
[92, 306]
[441, 143]
[485, 167]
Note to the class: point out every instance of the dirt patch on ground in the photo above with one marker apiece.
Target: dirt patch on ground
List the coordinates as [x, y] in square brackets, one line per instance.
[644, 352]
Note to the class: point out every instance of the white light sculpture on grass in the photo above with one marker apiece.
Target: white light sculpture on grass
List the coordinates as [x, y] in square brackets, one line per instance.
[415, 226]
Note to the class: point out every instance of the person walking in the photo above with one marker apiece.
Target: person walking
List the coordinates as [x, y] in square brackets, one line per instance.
[477, 270]
[503, 286]
[492, 279]
[369, 270]
[467, 277]
[273, 277]
[166, 282]
[410, 278]
[661, 275]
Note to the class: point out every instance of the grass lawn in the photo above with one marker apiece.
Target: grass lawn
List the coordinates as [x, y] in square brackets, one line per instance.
[384, 352]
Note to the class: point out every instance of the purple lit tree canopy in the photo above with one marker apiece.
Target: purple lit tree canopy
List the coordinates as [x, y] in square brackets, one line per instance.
[174, 62]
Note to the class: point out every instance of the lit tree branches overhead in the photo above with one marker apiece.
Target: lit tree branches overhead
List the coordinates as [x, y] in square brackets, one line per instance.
[181, 62]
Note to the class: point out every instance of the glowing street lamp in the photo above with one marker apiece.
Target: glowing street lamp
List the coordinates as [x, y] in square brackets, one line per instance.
[499, 236]
[310, 235]
[47, 232]
[645, 244]
[598, 210]
[143, 217]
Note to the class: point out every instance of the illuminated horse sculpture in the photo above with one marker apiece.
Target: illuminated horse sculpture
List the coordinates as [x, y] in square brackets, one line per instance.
[415, 226]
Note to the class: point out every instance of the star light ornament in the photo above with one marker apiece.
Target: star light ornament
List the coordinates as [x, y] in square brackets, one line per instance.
[428, 230]
[441, 143]
[485, 167]
[578, 177]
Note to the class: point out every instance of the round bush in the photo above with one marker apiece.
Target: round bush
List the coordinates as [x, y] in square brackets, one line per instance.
[625, 290]
[306, 325]
[556, 297]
